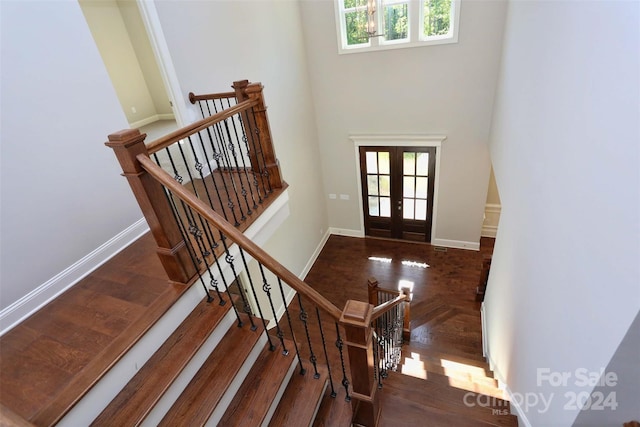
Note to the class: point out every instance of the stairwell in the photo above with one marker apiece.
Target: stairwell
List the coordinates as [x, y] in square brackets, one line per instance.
[208, 370]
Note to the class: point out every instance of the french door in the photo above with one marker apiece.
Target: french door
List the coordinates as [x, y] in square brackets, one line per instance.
[397, 191]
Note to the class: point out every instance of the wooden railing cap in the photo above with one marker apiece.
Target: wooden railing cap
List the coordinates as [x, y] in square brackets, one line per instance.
[124, 136]
[357, 313]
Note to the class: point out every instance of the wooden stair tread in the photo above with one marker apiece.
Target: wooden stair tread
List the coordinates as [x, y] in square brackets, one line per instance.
[84, 380]
[438, 395]
[144, 390]
[301, 399]
[202, 394]
[255, 397]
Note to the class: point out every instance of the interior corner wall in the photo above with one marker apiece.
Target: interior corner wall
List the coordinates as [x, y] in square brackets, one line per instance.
[145, 56]
[443, 89]
[62, 193]
[216, 43]
[116, 49]
[564, 285]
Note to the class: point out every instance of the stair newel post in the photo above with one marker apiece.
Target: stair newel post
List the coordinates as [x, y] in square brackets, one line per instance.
[356, 321]
[372, 286]
[254, 91]
[406, 322]
[172, 249]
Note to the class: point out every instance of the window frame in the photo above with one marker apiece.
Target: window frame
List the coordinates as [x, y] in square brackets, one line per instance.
[414, 28]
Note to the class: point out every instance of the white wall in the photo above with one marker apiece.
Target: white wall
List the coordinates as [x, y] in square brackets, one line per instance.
[62, 196]
[443, 89]
[215, 43]
[565, 277]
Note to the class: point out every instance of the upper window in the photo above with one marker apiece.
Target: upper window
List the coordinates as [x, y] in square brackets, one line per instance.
[386, 24]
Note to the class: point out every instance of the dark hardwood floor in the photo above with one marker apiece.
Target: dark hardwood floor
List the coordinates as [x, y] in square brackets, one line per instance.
[446, 337]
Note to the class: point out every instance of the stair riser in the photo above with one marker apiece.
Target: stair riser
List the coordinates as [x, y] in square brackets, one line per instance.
[181, 382]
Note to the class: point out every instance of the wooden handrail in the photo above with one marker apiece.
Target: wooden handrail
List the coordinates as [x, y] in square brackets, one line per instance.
[230, 231]
[210, 96]
[383, 308]
[167, 140]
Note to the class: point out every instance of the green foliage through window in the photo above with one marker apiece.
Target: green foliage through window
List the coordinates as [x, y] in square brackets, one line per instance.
[396, 22]
[437, 15]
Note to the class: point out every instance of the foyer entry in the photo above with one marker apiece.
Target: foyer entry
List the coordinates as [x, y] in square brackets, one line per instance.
[397, 191]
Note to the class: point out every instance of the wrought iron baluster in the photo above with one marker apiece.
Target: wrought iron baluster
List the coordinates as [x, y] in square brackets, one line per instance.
[257, 150]
[183, 234]
[232, 149]
[220, 149]
[286, 311]
[376, 357]
[304, 318]
[266, 288]
[345, 381]
[326, 356]
[245, 138]
[199, 166]
[218, 133]
[216, 158]
[232, 155]
[211, 171]
[242, 157]
[229, 259]
[272, 347]
[188, 213]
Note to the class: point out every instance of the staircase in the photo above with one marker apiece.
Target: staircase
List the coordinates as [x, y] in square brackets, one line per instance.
[212, 371]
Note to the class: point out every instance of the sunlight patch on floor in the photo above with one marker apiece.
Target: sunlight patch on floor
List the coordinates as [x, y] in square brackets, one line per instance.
[414, 367]
[451, 366]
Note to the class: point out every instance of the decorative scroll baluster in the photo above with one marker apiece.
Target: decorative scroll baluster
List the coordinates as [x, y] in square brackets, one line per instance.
[272, 347]
[345, 381]
[266, 288]
[216, 158]
[286, 311]
[232, 149]
[304, 317]
[242, 157]
[326, 356]
[229, 259]
[213, 178]
[183, 231]
[217, 133]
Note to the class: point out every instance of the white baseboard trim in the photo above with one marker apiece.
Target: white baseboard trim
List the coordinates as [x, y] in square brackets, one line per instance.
[346, 232]
[315, 255]
[34, 300]
[143, 122]
[151, 119]
[456, 244]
